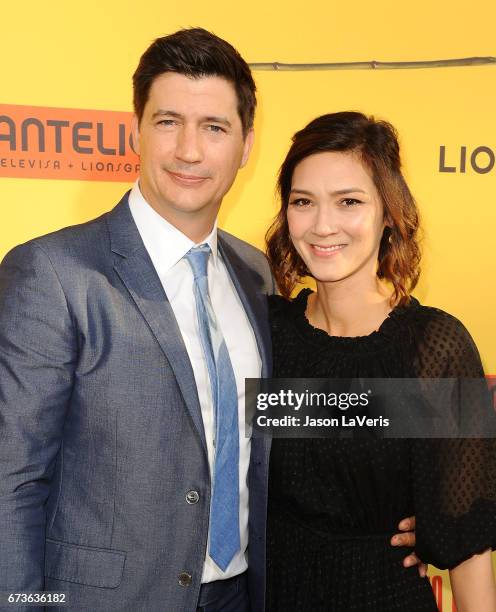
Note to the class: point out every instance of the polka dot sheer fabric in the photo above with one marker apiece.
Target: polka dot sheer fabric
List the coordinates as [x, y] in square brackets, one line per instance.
[334, 503]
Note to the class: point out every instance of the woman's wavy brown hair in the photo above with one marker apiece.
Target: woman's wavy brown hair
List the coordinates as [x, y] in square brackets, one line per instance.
[376, 143]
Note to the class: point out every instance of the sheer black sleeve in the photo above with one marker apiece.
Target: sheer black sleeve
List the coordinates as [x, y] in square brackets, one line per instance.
[454, 480]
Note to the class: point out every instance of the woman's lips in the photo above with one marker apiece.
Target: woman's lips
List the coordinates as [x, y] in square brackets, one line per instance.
[326, 250]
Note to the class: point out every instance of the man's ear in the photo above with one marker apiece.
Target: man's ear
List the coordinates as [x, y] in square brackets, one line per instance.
[135, 134]
[248, 144]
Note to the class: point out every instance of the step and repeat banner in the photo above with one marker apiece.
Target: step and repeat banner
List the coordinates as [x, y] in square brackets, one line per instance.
[65, 111]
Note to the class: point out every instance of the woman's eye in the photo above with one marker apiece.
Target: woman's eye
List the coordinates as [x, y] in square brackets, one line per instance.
[351, 202]
[300, 202]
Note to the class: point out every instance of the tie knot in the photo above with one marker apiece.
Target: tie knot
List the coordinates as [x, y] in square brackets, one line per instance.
[198, 260]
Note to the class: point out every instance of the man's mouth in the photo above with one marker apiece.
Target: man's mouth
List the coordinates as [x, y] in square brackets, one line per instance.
[186, 179]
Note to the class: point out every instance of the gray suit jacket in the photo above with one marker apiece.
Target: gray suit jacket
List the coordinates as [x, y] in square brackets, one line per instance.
[101, 433]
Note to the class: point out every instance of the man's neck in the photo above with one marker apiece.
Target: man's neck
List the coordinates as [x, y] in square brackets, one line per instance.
[196, 225]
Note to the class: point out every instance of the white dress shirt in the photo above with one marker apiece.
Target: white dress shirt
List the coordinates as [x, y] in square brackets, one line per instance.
[167, 247]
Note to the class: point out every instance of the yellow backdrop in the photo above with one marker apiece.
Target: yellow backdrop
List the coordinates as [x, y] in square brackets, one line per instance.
[82, 55]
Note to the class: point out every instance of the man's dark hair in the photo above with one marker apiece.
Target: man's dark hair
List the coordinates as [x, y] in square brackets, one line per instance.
[196, 53]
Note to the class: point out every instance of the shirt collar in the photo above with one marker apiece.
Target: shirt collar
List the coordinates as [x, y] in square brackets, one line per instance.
[165, 244]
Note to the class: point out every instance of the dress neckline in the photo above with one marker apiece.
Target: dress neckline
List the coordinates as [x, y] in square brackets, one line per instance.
[390, 329]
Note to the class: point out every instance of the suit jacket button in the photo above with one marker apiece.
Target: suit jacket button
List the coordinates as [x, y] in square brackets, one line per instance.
[185, 579]
[192, 497]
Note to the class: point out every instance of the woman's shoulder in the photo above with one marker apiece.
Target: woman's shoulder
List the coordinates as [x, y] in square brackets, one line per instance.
[444, 340]
[287, 315]
[441, 325]
[280, 306]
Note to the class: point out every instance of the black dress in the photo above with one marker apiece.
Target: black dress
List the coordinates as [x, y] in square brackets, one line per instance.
[335, 503]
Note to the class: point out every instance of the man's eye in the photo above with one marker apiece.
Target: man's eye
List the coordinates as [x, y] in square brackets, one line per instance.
[217, 129]
[300, 202]
[166, 122]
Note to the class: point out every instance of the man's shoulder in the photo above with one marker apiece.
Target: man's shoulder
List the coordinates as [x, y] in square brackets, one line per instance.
[244, 249]
[251, 257]
[88, 238]
[72, 234]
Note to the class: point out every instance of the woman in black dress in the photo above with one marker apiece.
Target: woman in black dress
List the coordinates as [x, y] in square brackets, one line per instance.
[349, 220]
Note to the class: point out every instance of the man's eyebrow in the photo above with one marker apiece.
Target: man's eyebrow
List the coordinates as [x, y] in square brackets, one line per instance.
[333, 193]
[216, 119]
[209, 118]
[164, 112]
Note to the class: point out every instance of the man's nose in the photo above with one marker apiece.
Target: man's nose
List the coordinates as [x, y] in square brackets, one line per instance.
[188, 145]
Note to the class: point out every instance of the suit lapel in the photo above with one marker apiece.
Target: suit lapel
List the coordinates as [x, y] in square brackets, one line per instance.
[136, 271]
[249, 286]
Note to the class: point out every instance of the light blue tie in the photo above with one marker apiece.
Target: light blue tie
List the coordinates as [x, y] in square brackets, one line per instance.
[224, 510]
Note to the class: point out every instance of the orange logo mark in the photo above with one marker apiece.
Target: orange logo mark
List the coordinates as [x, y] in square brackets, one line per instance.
[66, 143]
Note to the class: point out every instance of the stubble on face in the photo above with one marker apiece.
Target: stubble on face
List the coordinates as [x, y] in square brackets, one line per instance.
[191, 146]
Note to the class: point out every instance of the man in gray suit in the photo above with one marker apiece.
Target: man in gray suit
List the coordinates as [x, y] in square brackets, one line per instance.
[107, 400]
[106, 410]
